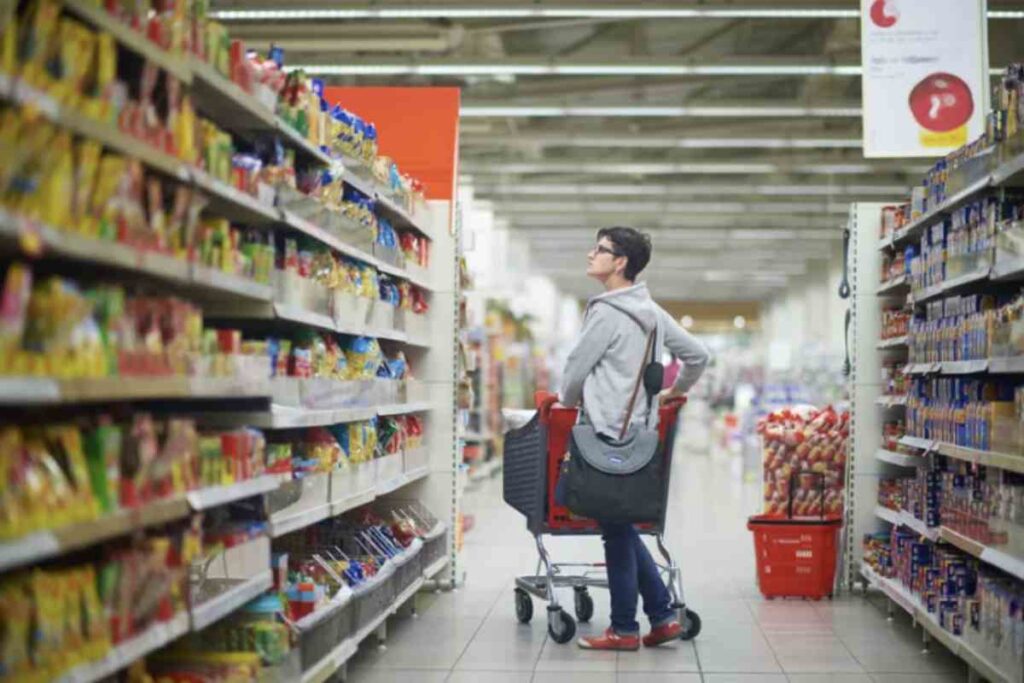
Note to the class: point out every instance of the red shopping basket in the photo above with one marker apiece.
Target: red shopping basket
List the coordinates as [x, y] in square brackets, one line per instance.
[796, 557]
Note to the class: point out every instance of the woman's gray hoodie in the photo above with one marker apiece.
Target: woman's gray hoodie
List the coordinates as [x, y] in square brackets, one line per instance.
[603, 367]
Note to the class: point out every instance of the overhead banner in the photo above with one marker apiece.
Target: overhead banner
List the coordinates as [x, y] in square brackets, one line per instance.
[925, 76]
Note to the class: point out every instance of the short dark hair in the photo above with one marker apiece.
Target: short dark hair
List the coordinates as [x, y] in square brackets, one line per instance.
[631, 243]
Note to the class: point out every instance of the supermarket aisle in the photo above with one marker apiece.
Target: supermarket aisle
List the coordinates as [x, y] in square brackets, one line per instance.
[472, 634]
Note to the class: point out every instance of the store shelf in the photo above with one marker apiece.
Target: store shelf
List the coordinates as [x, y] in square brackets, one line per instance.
[385, 203]
[96, 16]
[1003, 461]
[997, 558]
[335, 659]
[406, 478]
[282, 525]
[1007, 268]
[123, 655]
[902, 597]
[103, 133]
[891, 401]
[215, 496]
[951, 285]
[885, 514]
[340, 600]
[294, 139]
[225, 283]
[922, 368]
[1006, 366]
[926, 445]
[405, 408]
[894, 286]
[901, 459]
[894, 343]
[915, 228]
[300, 224]
[234, 598]
[42, 545]
[225, 102]
[45, 391]
[233, 204]
[287, 417]
[964, 367]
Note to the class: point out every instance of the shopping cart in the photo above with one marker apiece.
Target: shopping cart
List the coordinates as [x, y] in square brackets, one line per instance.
[532, 461]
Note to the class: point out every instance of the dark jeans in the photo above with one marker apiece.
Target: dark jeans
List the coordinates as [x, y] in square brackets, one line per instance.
[631, 570]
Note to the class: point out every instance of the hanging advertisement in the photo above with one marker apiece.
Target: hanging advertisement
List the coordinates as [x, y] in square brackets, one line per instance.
[925, 77]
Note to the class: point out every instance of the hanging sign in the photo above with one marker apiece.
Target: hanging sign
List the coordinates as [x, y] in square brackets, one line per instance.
[925, 75]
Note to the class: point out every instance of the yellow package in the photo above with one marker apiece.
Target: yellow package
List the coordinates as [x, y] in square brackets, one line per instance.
[12, 510]
[8, 36]
[58, 185]
[28, 162]
[16, 635]
[87, 166]
[77, 51]
[111, 172]
[68, 445]
[39, 41]
[95, 627]
[48, 646]
[106, 77]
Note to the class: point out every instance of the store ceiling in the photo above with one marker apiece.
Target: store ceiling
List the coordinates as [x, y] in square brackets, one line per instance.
[730, 130]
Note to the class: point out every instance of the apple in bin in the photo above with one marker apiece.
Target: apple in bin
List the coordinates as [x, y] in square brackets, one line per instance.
[941, 102]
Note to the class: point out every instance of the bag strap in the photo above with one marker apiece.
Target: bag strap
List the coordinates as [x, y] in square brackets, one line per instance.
[648, 352]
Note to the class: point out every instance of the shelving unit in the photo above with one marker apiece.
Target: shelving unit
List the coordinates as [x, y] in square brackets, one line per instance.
[868, 460]
[428, 474]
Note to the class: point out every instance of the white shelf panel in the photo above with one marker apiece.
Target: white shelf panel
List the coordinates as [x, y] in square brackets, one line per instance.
[890, 516]
[964, 367]
[215, 496]
[232, 599]
[901, 459]
[926, 445]
[1006, 365]
[895, 286]
[951, 285]
[282, 525]
[1010, 564]
[46, 391]
[894, 343]
[922, 368]
[891, 401]
[406, 478]
[405, 408]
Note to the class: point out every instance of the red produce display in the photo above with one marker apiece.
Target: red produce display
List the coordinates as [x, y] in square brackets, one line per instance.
[804, 460]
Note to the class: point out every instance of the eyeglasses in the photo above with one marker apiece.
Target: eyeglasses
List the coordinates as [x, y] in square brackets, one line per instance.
[601, 249]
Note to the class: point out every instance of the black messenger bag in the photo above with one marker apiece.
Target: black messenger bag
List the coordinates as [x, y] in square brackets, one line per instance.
[620, 480]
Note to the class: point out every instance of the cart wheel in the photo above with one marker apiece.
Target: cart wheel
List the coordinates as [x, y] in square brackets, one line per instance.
[524, 606]
[691, 625]
[584, 605]
[561, 626]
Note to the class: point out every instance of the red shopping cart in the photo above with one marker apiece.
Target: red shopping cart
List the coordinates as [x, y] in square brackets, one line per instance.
[532, 462]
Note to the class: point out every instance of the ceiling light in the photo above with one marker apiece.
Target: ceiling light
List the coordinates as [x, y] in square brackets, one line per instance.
[739, 322]
[477, 111]
[685, 190]
[686, 322]
[569, 69]
[695, 168]
[551, 12]
[641, 142]
[668, 208]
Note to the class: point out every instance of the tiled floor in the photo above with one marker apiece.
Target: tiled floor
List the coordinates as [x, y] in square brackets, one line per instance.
[472, 635]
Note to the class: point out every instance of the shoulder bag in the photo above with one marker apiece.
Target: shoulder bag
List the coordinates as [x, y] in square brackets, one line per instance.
[620, 480]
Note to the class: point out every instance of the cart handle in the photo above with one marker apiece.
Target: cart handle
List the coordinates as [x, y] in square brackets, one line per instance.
[545, 401]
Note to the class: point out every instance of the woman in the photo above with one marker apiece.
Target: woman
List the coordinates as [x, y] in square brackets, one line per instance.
[600, 373]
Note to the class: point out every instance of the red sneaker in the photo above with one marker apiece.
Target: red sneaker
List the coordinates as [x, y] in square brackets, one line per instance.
[610, 641]
[663, 634]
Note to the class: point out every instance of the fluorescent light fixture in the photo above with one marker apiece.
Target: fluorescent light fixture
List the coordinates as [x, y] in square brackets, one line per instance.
[636, 11]
[684, 190]
[569, 69]
[479, 111]
[640, 142]
[669, 208]
[694, 168]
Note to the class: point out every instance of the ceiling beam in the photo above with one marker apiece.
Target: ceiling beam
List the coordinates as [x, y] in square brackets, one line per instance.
[658, 142]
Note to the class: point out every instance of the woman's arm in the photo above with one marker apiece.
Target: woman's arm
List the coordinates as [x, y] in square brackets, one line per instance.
[688, 349]
[595, 338]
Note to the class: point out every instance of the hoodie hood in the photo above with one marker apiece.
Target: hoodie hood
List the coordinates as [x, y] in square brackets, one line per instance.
[634, 301]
